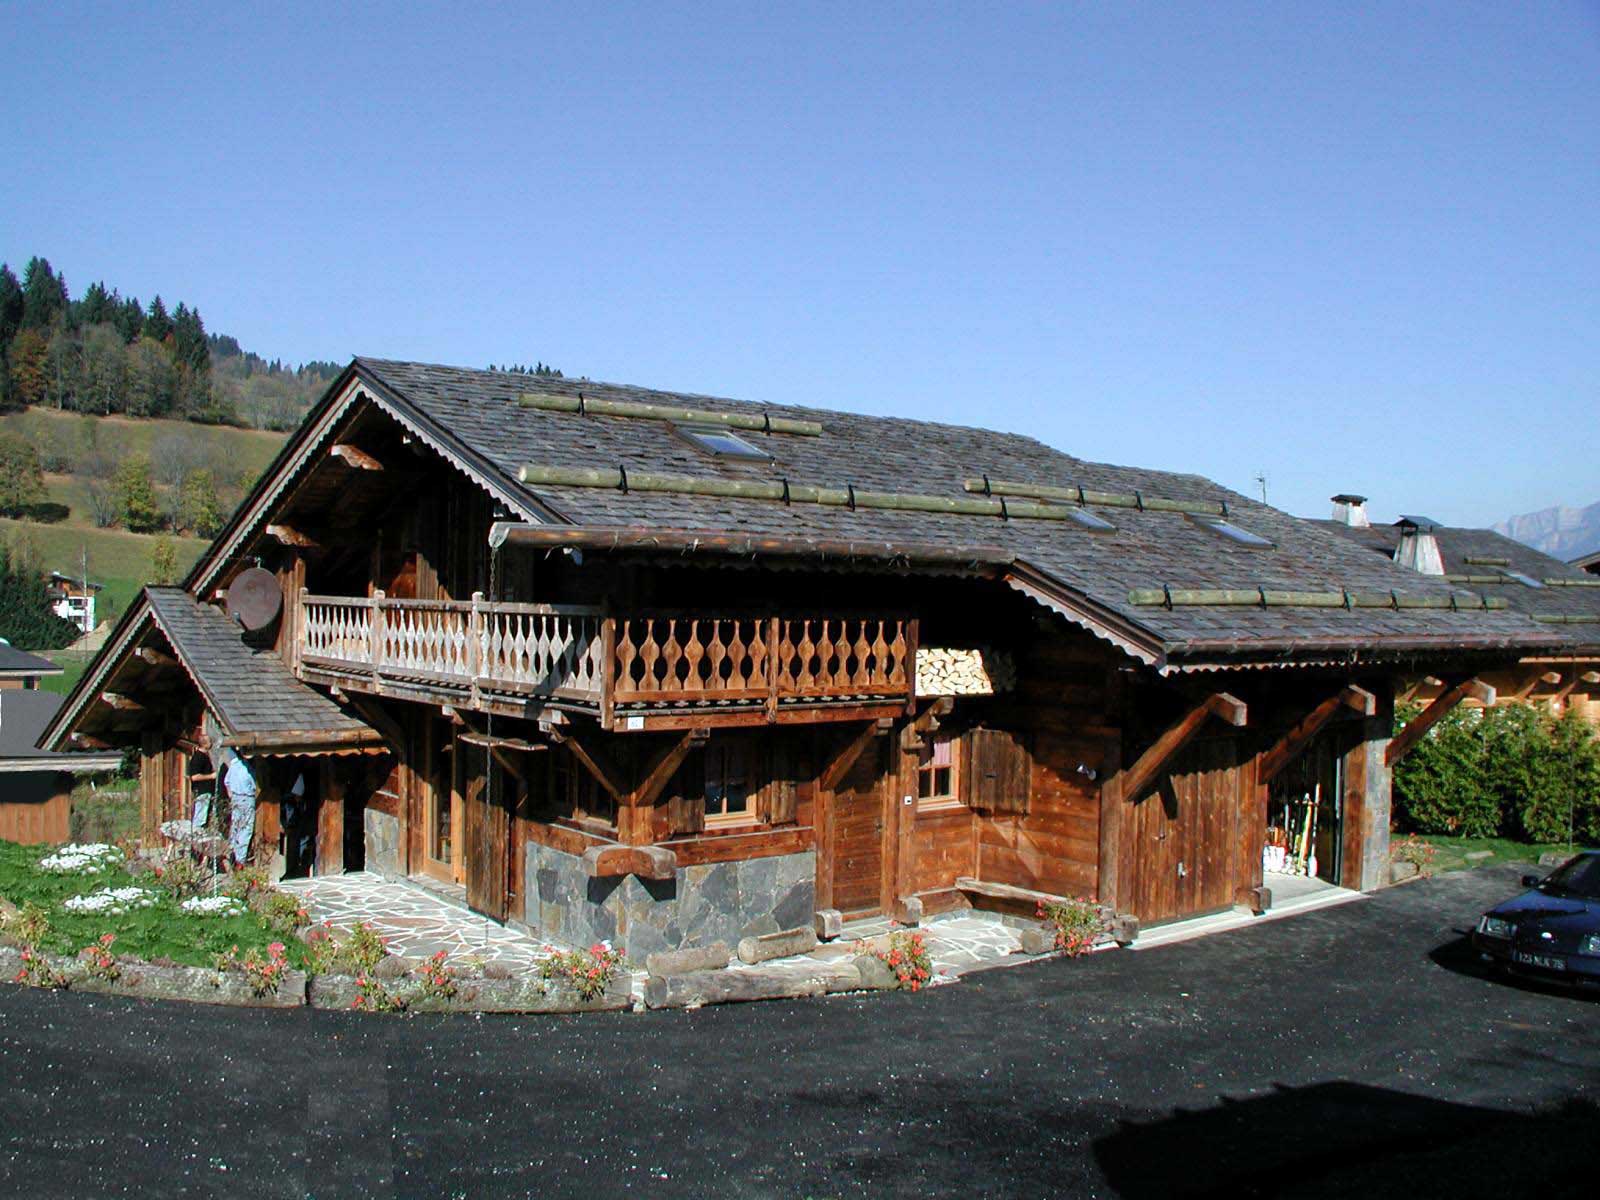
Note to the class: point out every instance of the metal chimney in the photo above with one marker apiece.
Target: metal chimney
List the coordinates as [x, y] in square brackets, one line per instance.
[1351, 510]
[1419, 548]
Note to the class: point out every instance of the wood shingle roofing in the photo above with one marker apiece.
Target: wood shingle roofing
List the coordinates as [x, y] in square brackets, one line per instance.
[1480, 554]
[477, 414]
[251, 692]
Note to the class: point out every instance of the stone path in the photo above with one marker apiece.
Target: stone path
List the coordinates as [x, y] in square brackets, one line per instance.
[957, 943]
[413, 921]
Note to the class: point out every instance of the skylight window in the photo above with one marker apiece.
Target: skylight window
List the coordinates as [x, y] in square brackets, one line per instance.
[1088, 520]
[1519, 577]
[1225, 528]
[721, 442]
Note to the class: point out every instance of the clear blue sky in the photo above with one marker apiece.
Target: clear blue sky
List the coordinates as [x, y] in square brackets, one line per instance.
[1357, 247]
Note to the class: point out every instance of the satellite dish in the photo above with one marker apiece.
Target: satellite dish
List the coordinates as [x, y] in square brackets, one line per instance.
[255, 599]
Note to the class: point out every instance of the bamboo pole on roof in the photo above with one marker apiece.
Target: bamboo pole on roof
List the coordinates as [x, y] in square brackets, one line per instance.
[756, 423]
[1559, 581]
[790, 493]
[1280, 598]
[1565, 619]
[1080, 495]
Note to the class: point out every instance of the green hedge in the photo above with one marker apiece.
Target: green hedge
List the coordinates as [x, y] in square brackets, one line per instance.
[1515, 771]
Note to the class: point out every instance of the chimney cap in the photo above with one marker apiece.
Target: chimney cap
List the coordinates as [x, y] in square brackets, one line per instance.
[1417, 522]
[1348, 498]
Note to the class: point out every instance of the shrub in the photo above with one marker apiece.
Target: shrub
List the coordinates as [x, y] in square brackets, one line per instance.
[1078, 923]
[907, 956]
[1439, 786]
[97, 958]
[362, 950]
[587, 972]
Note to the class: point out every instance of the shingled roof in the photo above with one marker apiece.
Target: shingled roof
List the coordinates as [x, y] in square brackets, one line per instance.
[14, 662]
[1568, 599]
[251, 692]
[477, 414]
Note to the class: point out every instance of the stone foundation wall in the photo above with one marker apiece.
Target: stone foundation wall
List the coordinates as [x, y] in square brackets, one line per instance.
[382, 834]
[698, 906]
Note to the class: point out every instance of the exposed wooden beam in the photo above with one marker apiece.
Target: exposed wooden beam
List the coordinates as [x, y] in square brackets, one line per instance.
[154, 657]
[502, 743]
[1407, 738]
[85, 742]
[1292, 743]
[591, 761]
[1138, 778]
[647, 862]
[661, 771]
[354, 456]
[288, 535]
[833, 774]
[120, 702]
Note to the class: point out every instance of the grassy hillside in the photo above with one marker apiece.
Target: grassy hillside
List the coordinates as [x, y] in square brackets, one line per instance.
[120, 560]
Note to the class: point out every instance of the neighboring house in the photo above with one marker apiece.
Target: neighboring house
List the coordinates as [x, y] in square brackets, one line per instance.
[1556, 594]
[19, 669]
[72, 599]
[1589, 563]
[669, 668]
[36, 786]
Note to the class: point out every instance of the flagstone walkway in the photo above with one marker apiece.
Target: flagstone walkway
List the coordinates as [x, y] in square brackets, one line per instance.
[414, 922]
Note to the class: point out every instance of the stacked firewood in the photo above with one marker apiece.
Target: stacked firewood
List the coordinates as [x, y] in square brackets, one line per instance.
[964, 672]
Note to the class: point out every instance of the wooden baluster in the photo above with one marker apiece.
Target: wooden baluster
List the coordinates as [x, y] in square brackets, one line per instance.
[649, 655]
[862, 677]
[882, 675]
[716, 656]
[693, 655]
[627, 655]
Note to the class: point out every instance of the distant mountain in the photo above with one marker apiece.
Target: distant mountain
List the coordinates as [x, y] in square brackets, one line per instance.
[1560, 531]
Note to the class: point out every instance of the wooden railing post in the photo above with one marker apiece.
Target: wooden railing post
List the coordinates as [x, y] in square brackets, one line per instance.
[608, 670]
[912, 629]
[772, 668]
[375, 639]
[475, 646]
[299, 647]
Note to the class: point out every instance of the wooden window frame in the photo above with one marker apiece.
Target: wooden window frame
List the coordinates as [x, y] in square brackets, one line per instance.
[928, 769]
[717, 756]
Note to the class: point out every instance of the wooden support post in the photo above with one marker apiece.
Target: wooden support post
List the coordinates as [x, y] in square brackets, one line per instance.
[1365, 849]
[375, 640]
[1108, 885]
[330, 820]
[608, 672]
[772, 668]
[1408, 737]
[1139, 777]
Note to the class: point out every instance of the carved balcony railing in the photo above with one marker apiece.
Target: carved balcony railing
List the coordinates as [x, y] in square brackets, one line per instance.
[645, 670]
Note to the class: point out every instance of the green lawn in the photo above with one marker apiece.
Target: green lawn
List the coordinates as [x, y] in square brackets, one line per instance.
[117, 559]
[163, 930]
[1452, 851]
[250, 449]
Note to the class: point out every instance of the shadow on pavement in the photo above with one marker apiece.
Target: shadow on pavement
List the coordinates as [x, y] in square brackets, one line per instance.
[1458, 956]
[1349, 1139]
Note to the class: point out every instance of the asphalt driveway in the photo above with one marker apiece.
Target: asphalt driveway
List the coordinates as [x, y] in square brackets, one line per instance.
[1348, 1051]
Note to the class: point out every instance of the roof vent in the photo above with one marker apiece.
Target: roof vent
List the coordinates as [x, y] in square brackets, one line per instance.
[1419, 548]
[1350, 510]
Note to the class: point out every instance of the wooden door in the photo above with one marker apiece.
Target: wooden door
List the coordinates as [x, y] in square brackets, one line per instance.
[1182, 836]
[856, 847]
[486, 834]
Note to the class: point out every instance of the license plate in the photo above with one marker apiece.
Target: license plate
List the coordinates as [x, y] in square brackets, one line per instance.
[1546, 961]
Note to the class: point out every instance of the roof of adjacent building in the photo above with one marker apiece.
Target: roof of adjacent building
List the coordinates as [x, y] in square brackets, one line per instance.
[1481, 553]
[251, 691]
[477, 416]
[20, 662]
[24, 713]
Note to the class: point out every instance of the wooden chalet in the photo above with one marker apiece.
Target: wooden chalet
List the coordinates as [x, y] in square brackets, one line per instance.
[1556, 594]
[669, 668]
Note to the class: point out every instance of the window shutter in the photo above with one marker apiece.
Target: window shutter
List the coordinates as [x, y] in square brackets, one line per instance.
[776, 804]
[998, 771]
[686, 796]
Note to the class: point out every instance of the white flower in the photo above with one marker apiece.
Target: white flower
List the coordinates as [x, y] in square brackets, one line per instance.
[214, 906]
[110, 900]
[87, 858]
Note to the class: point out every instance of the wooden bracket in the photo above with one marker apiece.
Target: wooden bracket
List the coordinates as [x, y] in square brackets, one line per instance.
[595, 764]
[85, 742]
[154, 657]
[288, 535]
[833, 774]
[120, 702]
[1291, 744]
[1407, 738]
[661, 771]
[1138, 778]
[356, 457]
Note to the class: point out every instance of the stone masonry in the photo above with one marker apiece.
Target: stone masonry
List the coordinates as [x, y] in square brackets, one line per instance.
[383, 843]
[699, 905]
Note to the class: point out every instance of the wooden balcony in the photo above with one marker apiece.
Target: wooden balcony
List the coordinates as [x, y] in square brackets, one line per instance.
[655, 670]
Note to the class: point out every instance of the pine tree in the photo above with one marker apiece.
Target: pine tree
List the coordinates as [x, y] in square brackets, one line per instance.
[129, 319]
[157, 325]
[44, 295]
[136, 495]
[189, 344]
[26, 618]
[96, 306]
[10, 306]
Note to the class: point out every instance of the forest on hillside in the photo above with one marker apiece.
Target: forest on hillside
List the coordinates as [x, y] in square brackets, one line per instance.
[104, 353]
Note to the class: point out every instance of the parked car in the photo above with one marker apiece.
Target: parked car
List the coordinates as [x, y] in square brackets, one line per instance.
[1552, 930]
